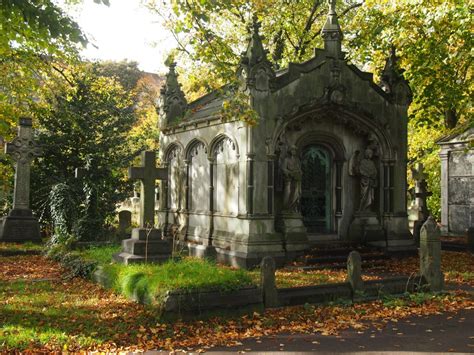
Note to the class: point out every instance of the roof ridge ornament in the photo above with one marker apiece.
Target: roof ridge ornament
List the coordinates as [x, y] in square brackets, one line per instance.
[172, 104]
[255, 70]
[331, 32]
[392, 80]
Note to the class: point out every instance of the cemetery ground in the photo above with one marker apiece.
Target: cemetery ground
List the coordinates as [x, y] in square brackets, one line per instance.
[44, 309]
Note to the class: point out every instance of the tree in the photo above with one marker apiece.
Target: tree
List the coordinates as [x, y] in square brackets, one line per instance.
[85, 124]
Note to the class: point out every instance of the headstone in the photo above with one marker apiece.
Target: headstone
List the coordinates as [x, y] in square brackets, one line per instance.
[267, 282]
[430, 255]
[420, 207]
[146, 244]
[470, 239]
[125, 221]
[20, 225]
[354, 271]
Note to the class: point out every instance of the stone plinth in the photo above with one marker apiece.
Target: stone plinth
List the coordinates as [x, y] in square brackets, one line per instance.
[19, 226]
[366, 227]
[296, 238]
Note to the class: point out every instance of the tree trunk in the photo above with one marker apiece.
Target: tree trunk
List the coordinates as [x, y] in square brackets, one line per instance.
[450, 118]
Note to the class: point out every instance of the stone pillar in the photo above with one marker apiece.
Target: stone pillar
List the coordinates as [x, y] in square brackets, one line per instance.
[20, 225]
[354, 272]
[267, 282]
[444, 156]
[430, 255]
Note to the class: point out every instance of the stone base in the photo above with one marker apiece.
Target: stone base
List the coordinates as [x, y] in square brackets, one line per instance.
[19, 226]
[144, 246]
[295, 234]
[201, 251]
[247, 260]
[366, 227]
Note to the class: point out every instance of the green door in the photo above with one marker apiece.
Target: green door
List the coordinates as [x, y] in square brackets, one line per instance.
[316, 189]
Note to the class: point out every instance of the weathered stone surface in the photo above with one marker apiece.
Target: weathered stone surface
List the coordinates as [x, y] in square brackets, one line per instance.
[354, 271]
[125, 221]
[430, 255]
[457, 182]
[267, 282]
[20, 225]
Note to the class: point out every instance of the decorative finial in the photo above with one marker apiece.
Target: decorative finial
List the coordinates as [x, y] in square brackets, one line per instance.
[331, 32]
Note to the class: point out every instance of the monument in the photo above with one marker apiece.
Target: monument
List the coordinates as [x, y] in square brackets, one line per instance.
[419, 210]
[430, 255]
[325, 162]
[146, 243]
[20, 225]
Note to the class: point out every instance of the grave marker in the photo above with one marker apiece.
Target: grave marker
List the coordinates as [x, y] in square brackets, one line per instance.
[430, 255]
[20, 225]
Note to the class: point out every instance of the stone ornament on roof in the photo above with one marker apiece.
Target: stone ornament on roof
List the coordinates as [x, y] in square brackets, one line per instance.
[393, 82]
[255, 70]
[173, 104]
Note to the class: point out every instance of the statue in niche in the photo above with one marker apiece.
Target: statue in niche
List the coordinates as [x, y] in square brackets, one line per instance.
[292, 175]
[366, 170]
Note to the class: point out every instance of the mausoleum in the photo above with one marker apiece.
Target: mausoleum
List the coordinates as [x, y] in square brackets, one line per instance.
[326, 160]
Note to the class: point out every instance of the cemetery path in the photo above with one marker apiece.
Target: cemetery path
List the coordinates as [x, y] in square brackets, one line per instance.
[450, 332]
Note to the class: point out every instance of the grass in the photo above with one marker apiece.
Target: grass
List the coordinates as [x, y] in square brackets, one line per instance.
[148, 283]
[102, 255]
[22, 247]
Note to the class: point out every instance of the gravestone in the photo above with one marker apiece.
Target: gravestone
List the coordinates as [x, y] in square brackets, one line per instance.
[20, 225]
[420, 207]
[354, 271]
[125, 221]
[430, 255]
[146, 243]
[470, 239]
[267, 282]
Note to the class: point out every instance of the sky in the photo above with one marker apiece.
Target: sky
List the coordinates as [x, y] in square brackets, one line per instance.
[123, 30]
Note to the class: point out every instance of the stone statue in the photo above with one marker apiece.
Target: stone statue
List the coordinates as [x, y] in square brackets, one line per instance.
[292, 174]
[366, 170]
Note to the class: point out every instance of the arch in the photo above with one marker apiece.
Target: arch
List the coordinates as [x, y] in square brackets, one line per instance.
[170, 148]
[217, 139]
[360, 121]
[192, 144]
[329, 141]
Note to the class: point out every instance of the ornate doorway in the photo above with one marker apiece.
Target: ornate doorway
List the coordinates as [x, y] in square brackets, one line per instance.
[316, 189]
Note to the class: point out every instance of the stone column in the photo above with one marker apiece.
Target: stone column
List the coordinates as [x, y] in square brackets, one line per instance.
[267, 282]
[444, 156]
[20, 225]
[430, 255]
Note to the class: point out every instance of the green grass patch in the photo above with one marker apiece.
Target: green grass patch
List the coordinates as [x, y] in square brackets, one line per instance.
[148, 283]
[27, 246]
[102, 255]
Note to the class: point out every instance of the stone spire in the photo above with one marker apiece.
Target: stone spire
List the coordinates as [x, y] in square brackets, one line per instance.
[331, 32]
[255, 70]
[173, 103]
[393, 82]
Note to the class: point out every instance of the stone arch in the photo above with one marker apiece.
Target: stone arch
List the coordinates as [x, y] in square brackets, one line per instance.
[193, 144]
[217, 140]
[170, 148]
[331, 142]
[359, 121]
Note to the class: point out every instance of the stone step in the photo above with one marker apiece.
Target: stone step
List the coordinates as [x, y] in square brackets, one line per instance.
[343, 258]
[336, 265]
[127, 258]
[152, 247]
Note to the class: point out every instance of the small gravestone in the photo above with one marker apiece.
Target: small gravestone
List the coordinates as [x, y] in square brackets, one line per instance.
[20, 225]
[430, 255]
[125, 221]
[470, 239]
[146, 243]
[354, 271]
[267, 281]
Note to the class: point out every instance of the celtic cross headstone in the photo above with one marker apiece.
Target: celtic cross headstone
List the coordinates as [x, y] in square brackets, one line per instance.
[20, 225]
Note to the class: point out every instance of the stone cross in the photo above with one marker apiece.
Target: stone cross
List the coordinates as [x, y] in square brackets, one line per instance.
[332, 6]
[421, 191]
[23, 149]
[430, 255]
[147, 173]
